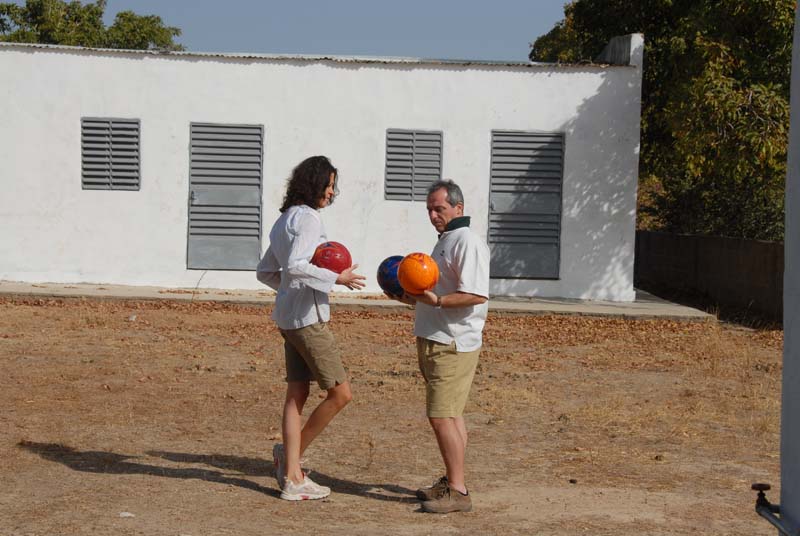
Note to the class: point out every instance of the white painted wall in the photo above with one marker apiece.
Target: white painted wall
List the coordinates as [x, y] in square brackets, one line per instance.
[53, 231]
[790, 407]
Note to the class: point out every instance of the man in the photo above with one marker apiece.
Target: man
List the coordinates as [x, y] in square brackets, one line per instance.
[449, 324]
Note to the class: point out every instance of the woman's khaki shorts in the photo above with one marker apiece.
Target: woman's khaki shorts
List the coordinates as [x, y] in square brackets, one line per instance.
[448, 376]
[312, 354]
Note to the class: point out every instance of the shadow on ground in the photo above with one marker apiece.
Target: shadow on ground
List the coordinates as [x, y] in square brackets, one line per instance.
[742, 316]
[121, 464]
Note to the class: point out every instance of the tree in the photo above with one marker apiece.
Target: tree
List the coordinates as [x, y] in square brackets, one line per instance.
[715, 103]
[73, 23]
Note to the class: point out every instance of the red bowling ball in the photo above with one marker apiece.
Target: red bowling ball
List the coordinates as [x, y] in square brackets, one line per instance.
[332, 256]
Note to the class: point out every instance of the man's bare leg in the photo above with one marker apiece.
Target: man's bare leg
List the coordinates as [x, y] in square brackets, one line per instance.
[451, 437]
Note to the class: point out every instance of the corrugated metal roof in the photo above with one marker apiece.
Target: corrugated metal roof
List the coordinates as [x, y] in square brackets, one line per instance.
[313, 57]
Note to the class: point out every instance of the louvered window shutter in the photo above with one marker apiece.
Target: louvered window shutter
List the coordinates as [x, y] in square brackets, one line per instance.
[525, 204]
[225, 196]
[413, 163]
[109, 154]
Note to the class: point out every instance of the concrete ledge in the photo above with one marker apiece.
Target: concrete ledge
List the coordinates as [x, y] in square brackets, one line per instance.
[646, 305]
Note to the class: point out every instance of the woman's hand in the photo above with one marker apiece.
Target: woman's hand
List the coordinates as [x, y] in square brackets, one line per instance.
[350, 279]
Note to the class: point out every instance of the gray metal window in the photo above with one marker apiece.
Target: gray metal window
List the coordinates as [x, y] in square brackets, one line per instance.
[413, 162]
[109, 154]
[525, 204]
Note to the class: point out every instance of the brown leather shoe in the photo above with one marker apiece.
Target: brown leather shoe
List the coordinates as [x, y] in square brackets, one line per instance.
[431, 492]
[449, 500]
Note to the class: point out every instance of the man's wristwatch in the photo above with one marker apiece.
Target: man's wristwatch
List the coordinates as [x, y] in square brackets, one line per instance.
[438, 302]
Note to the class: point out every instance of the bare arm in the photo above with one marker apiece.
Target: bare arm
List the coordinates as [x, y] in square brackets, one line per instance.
[456, 299]
[405, 298]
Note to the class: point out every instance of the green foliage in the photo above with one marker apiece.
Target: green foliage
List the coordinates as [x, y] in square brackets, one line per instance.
[73, 23]
[132, 31]
[715, 106]
[561, 44]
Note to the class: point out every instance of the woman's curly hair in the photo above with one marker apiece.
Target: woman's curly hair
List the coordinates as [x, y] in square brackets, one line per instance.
[308, 182]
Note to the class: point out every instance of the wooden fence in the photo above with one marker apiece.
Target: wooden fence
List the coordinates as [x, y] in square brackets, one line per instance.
[745, 274]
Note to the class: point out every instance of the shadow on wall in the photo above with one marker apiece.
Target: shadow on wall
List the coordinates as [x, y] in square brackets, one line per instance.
[598, 205]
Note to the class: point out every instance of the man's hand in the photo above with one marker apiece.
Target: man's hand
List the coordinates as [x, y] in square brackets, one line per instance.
[350, 279]
[427, 297]
[405, 298]
[456, 299]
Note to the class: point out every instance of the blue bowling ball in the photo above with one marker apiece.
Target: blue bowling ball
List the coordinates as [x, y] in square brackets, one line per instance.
[387, 276]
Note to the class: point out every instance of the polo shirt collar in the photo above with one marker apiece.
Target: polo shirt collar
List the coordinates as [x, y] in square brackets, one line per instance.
[457, 223]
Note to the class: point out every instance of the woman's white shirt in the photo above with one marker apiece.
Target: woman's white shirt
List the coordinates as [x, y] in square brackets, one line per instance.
[286, 266]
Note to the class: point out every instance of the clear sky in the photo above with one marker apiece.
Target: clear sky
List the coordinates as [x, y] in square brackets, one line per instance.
[442, 29]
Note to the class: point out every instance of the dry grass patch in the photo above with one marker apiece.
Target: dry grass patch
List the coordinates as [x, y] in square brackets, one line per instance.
[170, 409]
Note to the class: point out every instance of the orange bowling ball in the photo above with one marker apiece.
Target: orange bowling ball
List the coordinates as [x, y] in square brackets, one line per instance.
[417, 273]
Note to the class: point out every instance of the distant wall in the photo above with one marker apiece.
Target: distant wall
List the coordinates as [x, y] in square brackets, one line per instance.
[729, 271]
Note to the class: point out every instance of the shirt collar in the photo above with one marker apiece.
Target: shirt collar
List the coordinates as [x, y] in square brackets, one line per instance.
[457, 223]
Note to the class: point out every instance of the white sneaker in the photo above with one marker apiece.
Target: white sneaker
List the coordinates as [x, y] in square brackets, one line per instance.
[305, 491]
[279, 461]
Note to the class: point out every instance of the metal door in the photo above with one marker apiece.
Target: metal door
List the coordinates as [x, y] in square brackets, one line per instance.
[225, 196]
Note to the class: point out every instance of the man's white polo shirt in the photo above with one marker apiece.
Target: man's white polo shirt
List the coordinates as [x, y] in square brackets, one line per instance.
[463, 260]
[302, 287]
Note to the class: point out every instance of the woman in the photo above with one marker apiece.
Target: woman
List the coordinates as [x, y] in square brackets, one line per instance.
[302, 314]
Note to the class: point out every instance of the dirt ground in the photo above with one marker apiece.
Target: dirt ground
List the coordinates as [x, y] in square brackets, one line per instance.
[158, 418]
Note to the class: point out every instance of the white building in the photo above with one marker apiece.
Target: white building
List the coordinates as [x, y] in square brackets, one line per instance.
[165, 169]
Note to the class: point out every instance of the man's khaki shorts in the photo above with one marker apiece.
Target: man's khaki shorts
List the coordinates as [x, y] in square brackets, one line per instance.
[448, 376]
[312, 354]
